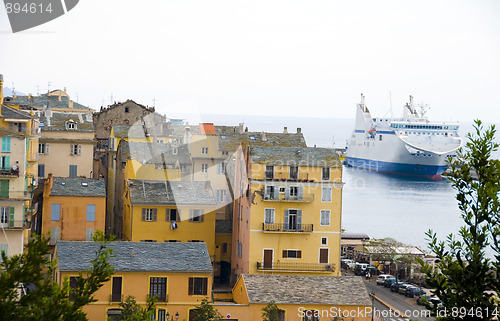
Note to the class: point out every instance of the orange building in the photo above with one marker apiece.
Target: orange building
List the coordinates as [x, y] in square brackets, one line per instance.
[180, 274]
[73, 208]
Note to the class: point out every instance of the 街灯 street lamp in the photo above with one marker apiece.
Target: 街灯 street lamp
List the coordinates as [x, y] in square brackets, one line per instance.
[172, 319]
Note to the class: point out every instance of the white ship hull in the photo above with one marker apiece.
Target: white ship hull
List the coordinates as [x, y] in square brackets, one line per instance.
[410, 145]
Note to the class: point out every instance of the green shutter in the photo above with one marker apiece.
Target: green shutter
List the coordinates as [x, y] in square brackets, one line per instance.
[11, 218]
[4, 188]
[6, 144]
[7, 163]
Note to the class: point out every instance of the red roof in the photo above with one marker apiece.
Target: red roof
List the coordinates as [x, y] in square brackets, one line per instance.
[207, 128]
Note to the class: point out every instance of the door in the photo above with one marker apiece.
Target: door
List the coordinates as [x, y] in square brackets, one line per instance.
[73, 171]
[292, 219]
[116, 295]
[41, 170]
[268, 259]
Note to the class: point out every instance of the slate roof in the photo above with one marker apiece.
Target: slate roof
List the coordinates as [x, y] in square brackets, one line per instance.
[137, 256]
[56, 121]
[9, 133]
[72, 186]
[306, 289]
[230, 141]
[170, 192]
[361, 236]
[44, 100]
[223, 226]
[309, 156]
[151, 153]
[9, 112]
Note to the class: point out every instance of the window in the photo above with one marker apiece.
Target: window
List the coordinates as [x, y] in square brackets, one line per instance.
[158, 287]
[75, 149]
[239, 249]
[380, 137]
[326, 194]
[73, 284]
[325, 173]
[4, 216]
[73, 170]
[220, 195]
[204, 150]
[294, 191]
[160, 141]
[324, 241]
[43, 148]
[55, 234]
[161, 315]
[323, 256]
[294, 172]
[311, 315]
[252, 137]
[224, 247]
[71, 125]
[172, 215]
[55, 214]
[6, 144]
[90, 213]
[175, 151]
[126, 109]
[270, 193]
[221, 168]
[89, 234]
[204, 168]
[196, 215]
[292, 254]
[325, 218]
[184, 169]
[41, 170]
[149, 214]
[198, 286]
[116, 294]
[225, 153]
[269, 216]
[269, 171]
[5, 163]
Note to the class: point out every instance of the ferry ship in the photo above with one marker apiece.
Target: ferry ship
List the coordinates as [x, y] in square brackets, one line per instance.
[411, 145]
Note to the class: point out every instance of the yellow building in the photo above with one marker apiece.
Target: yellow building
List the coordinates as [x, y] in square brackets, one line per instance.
[73, 208]
[299, 298]
[290, 220]
[169, 211]
[180, 274]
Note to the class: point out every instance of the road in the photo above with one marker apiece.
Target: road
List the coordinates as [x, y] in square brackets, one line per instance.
[405, 305]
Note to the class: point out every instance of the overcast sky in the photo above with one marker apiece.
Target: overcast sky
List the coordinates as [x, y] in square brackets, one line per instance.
[293, 58]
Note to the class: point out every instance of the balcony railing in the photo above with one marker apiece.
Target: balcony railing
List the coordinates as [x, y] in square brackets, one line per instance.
[5, 172]
[292, 266]
[116, 297]
[289, 198]
[16, 224]
[161, 299]
[280, 227]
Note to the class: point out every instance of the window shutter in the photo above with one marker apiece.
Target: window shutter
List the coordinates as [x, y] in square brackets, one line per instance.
[7, 162]
[178, 216]
[217, 197]
[299, 219]
[191, 286]
[71, 149]
[299, 254]
[11, 216]
[285, 225]
[155, 211]
[143, 216]
[219, 170]
[287, 192]
[205, 284]
[167, 214]
[79, 149]
[202, 216]
[285, 253]
[191, 213]
[276, 192]
[301, 192]
[47, 148]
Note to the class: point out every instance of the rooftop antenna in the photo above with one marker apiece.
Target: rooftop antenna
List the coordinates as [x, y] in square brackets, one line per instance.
[13, 90]
[111, 102]
[37, 90]
[48, 87]
[154, 102]
[390, 106]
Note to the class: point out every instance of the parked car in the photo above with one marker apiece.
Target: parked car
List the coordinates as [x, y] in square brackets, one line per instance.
[402, 288]
[345, 263]
[362, 266]
[395, 286]
[381, 278]
[350, 263]
[414, 291]
[389, 281]
[373, 270]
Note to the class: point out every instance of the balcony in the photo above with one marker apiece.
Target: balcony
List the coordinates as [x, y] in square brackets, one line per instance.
[286, 228]
[289, 198]
[115, 297]
[4, 172]
[297, 267]
[160, 299]
[32, 157]
[16, 225]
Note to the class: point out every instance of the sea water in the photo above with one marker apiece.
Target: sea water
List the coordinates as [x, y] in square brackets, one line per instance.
[380, 205]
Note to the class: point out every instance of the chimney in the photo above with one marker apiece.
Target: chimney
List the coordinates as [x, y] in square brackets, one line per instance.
[264, 137]
[299, 130]
[30, 97]
[240, 128]
[246, 129]
[64, 90]
[59, 97]
[285, 130]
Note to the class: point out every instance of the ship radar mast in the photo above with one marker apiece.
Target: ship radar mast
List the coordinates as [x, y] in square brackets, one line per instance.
[410, 110]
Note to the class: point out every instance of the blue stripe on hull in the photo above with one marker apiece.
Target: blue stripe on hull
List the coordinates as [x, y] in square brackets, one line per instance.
[396, 168]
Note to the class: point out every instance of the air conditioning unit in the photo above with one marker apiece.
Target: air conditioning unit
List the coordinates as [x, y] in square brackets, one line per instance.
[329, 267]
